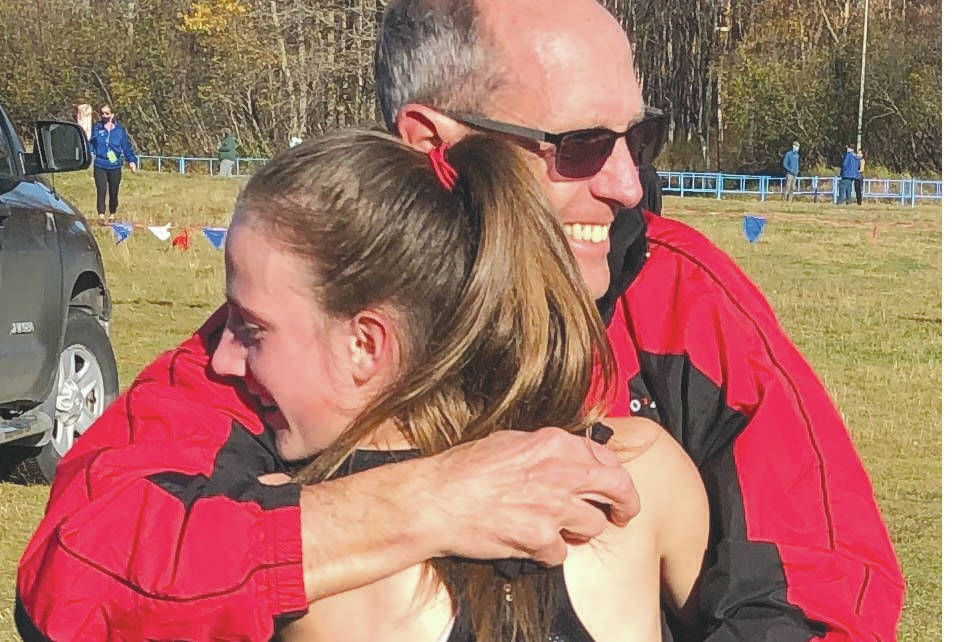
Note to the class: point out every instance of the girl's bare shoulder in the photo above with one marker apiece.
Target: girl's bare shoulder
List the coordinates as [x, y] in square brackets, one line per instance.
[662, 471]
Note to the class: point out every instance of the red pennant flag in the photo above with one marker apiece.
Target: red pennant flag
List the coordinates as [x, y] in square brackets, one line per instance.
[182, 240]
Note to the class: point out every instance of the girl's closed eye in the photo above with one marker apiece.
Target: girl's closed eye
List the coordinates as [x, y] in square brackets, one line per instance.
[248, 334]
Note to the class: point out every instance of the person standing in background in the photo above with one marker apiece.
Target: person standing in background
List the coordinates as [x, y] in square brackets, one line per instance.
[848, 173]
[108, 143]
[227, 153]
[651, 189]
[790, 164]
[859, 179]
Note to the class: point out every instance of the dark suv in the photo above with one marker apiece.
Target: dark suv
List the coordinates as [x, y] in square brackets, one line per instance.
[57, 369]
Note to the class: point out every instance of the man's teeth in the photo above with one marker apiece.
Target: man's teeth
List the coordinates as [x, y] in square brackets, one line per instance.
[586, 232]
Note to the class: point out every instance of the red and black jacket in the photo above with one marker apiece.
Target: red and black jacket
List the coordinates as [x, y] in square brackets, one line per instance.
[157, 527]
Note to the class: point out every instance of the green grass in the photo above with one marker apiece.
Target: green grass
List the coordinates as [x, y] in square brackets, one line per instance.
[864, 307]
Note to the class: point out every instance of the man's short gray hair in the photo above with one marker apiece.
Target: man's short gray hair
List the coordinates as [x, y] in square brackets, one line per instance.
[432, 52]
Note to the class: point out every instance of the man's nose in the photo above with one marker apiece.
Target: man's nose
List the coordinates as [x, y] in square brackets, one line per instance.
[230, 356]
[618, 180]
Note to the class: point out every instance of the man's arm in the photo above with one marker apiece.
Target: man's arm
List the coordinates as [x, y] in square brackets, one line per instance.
[798, 544]
[513, 494]
[158, 527]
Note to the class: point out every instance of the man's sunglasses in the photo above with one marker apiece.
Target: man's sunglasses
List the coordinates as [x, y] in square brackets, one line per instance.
[582, 153]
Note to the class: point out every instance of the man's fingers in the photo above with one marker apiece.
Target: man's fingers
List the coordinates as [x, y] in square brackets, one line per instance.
[553, 554]
[602, 454]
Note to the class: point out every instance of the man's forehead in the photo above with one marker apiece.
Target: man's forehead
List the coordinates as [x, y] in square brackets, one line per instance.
[562, 69]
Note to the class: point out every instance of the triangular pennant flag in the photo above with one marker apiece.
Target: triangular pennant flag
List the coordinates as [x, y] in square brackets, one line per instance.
[162, 232]
[752, 227]
[121, 231]
[216, 236]
[183, 240]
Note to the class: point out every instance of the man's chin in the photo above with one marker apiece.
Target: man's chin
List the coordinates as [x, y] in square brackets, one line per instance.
[596, 279]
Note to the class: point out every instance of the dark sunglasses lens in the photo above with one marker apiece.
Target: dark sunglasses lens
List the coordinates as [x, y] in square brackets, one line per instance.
[644, 140]
[582, 154]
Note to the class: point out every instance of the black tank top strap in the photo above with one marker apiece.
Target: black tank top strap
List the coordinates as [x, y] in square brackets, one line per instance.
[567, 626]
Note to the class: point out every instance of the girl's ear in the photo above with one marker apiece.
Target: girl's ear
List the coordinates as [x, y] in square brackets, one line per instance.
[373, 346]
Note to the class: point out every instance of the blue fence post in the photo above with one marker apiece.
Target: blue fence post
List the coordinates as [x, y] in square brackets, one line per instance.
[719, 186]
[912, 192]
[681, 184]
[763, 187]
[180, 165]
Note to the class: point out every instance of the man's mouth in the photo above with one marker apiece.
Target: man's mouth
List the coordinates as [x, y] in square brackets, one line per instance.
[586, 232]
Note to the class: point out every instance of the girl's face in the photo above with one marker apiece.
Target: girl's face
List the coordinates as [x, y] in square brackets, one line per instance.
[294, 359]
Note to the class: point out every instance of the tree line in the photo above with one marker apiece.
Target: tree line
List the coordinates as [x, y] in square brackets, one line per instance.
[740, 79]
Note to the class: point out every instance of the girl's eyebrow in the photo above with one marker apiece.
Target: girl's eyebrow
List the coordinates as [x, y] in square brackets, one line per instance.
[244, 310]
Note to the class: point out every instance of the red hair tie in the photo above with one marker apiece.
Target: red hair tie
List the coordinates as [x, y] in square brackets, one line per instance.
[443, 170]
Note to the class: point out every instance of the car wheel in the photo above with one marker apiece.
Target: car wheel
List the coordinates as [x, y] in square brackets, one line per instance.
[86, 384]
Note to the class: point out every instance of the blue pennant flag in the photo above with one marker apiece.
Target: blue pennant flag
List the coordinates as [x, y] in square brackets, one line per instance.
[752, 227]
[216, 236]
[121, 231]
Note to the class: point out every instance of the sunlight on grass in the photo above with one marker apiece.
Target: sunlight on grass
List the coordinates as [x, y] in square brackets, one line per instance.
[857, 289]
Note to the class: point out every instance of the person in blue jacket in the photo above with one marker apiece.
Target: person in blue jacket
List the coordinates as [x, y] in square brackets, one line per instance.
[790, 165]
[848, 172]
[110, 146]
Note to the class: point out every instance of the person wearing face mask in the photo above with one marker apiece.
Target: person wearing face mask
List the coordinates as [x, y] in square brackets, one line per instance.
[790, 164]
[110, 146]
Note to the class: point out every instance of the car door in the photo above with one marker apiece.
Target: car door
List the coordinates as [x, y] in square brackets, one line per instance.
[31, 283]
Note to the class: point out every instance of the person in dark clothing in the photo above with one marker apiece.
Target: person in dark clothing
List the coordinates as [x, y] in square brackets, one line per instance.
[848, 173]
[110, 146]
[651, 189]
[648, 175]
[790, 165]
[227, 153]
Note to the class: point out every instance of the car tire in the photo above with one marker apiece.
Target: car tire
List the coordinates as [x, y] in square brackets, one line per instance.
[85, 385]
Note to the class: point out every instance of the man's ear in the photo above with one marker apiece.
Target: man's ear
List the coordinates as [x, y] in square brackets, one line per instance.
[424, 128]
[373, 346]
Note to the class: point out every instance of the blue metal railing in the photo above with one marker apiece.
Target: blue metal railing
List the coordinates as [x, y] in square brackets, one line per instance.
[196, 164]
[908, 191]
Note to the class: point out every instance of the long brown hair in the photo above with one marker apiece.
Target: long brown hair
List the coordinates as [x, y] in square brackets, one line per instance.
[497, 330]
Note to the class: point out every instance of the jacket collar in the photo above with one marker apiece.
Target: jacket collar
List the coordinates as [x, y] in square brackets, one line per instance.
[626, 257]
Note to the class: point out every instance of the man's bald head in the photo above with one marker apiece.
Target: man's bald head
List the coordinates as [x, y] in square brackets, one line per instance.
[457, 54]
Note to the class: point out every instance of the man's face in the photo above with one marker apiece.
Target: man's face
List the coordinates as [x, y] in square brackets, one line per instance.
[570, 70]
[290, 355]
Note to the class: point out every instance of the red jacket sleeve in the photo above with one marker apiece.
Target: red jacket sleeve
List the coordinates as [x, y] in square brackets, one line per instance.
[157, 527]
[798, 544]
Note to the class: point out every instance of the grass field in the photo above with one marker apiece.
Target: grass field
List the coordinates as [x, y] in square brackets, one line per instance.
[858, 290]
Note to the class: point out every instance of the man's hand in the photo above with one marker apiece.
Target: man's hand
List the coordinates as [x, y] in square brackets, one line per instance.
[133, 166]
[520, 494]
[511, 494]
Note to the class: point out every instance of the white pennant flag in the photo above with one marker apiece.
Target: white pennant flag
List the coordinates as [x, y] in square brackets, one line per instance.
[162, 232]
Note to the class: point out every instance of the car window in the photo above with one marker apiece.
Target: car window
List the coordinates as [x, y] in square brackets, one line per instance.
[6, 154]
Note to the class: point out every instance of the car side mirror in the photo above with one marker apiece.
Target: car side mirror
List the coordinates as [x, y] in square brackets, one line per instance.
[57, 147]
